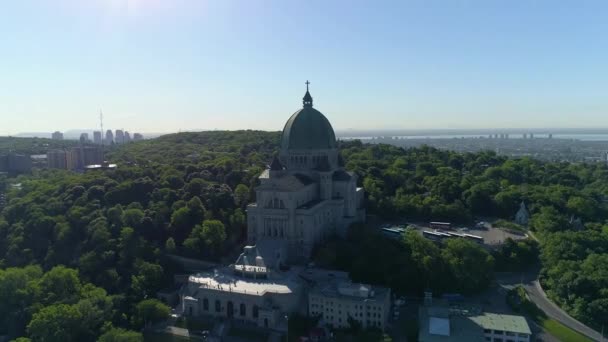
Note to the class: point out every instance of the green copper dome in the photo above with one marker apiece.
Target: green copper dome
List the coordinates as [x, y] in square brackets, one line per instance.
[308, 129]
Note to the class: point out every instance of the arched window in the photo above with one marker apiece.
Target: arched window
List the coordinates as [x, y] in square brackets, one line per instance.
[206, 304]
[255, 311]
[282, 205]
[243, 309]
[218, 306]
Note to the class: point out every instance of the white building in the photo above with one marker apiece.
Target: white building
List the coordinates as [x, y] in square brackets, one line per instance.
[305, 195]
[338, 301]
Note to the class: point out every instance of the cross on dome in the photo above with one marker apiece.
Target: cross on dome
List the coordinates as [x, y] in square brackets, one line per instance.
[307, 100]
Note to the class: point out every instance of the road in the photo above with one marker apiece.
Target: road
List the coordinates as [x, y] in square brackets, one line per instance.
[529, 281]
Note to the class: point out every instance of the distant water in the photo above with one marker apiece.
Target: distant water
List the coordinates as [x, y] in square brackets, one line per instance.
[581, 137]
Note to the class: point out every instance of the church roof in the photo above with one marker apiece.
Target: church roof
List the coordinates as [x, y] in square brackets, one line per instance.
[276, 164]
[308, 129]
[286, 183]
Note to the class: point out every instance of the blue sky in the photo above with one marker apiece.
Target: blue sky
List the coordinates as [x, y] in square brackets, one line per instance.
[166, 65]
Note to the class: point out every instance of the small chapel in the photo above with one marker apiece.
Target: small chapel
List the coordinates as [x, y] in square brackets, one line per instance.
[305, 195]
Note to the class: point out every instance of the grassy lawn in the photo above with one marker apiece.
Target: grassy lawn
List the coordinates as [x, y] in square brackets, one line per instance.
[162, 337]
[517, 298]
[562, 332]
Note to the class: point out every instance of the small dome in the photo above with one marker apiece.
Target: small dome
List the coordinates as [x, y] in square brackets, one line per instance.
[308, 129]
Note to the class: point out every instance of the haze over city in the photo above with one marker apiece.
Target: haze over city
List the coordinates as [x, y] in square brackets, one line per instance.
[165, 66]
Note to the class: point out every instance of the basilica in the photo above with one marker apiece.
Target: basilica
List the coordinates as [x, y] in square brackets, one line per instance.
[305, 194]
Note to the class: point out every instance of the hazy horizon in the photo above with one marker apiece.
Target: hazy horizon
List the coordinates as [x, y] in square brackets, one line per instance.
[165, 66]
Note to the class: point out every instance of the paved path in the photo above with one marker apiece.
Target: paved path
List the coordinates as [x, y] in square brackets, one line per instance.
[529, 281]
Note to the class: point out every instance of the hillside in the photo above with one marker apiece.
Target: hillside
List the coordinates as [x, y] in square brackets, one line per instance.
[185, 193]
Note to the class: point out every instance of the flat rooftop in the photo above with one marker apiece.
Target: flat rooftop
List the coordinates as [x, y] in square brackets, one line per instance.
[516, 324]
[433, 323]
[352, 291]
[224, 280]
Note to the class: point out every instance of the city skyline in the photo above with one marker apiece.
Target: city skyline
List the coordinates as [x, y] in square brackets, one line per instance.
[166, 66]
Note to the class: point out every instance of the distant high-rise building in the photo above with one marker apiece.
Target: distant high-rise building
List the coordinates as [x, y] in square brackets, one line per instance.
[550, 135]
[496, 136]
[97, 137]
[127, 137]
[531, 135]
[59, 159]
[85, 155]
[84, 138]
[137, 137]
[57, 135]
[525, 136]
[119, 137]
[15, 163]
[109, 137]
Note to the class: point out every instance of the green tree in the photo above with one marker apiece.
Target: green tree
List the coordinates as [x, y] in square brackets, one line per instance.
[60, 285]
[170, 245]
[148, 279]
[132, 217]
[150, 311]
[214, 234]
[241, 195]
[548, 220]
[121, 335]
[56, 323]
[470, 265]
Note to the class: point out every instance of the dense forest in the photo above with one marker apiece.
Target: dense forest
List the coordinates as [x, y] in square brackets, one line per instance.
[93, 247]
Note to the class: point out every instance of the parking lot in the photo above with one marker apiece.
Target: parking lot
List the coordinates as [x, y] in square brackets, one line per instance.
[492, 236]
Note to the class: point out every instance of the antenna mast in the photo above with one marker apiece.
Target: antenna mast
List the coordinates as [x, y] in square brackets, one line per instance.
[103, 158]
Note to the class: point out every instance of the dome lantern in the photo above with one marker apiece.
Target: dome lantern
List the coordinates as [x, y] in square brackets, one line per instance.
[307, 100]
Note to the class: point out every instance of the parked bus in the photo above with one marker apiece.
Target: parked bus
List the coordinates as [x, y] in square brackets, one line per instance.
[435, 236]
[475, 238]
[441, 225]
[454, 234]
[393, 232]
